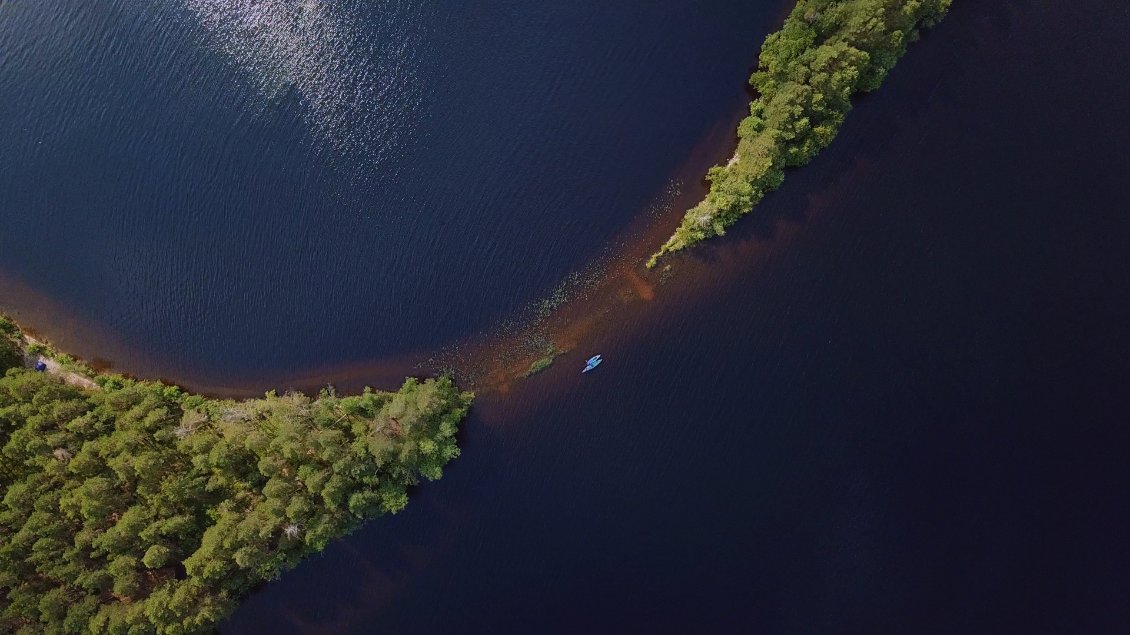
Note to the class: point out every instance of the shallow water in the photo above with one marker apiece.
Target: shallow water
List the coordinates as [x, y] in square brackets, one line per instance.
[225, 190]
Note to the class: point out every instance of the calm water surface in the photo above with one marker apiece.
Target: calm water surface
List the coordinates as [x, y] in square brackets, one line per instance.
[893, 402]
[227, 188]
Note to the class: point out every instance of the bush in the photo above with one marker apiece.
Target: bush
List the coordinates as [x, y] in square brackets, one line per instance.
[11, 353]
[541, 364]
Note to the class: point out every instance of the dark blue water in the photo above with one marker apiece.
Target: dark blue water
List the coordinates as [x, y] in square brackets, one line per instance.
[236, 187]
[894, 402]
[901, 407]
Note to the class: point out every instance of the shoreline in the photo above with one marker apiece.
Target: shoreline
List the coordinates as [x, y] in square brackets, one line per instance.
[808, 74]
[486, 363]
[601, 313]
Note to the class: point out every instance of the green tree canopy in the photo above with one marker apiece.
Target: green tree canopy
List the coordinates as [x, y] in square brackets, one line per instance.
[11, 351]
[826, 52]
[140, 508]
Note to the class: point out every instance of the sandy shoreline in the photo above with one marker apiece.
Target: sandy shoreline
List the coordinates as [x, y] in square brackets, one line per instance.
[487, 364]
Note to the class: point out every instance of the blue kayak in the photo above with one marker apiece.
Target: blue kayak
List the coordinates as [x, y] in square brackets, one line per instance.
[592, 363]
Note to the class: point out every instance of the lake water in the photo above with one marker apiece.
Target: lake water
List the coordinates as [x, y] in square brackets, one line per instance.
[243, 187]
[895, 401]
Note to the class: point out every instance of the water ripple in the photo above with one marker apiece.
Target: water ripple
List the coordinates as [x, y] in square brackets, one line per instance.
[355, 76]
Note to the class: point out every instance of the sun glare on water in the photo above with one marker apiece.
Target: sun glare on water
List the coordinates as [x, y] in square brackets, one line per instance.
[351, 63]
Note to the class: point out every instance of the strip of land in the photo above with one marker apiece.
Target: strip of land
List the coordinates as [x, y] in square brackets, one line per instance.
[826, 52]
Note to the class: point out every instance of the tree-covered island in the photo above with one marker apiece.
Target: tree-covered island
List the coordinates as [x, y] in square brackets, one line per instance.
[136, 507]
[826, 52]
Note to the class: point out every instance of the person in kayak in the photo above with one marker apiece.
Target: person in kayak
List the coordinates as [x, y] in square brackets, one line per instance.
[592, 363]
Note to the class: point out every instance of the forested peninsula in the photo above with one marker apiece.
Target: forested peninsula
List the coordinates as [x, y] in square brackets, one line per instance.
[826, 52]
[135, 507]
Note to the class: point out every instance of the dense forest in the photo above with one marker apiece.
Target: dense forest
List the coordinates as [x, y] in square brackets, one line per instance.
[139, 508]
[826, 52]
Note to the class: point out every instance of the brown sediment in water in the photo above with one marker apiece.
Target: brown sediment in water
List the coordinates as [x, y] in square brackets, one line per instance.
[620, 286]
[604, 305]
[47, 320]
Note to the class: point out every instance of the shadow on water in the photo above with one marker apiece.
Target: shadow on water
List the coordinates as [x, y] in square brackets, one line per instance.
[406, 558]
[612, 315]
[615, 318]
